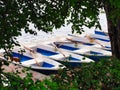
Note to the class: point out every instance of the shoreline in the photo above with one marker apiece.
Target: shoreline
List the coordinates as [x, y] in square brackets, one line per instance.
[35, 75]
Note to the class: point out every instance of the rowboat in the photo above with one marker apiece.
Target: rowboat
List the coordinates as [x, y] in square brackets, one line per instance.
[91, 40]
[102, 36]
[60, 55]
[83, 49]
[95, 54]
[34, 61]
[101, 33]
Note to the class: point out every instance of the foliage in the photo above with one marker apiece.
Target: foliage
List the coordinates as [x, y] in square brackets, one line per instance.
[101, 75]
[16, 15]
[13, 81]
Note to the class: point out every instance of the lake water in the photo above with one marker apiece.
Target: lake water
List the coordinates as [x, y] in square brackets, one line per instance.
[27, 38]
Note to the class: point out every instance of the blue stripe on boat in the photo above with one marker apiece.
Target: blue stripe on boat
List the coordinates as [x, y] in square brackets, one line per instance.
[72, 58]
[89, 44]
[46, 52]
[94, 53]
[45, 64]
[100, 33]
[107, 47]
[68, 47]
[106, 40]
[22, 57]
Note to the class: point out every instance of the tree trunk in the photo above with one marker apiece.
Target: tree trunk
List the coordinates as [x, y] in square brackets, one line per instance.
[113, 31]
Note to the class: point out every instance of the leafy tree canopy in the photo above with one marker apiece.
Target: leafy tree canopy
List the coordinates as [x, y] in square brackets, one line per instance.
[16, 15]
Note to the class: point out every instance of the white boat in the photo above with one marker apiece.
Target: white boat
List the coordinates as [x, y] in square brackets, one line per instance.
[83, 49]
[99, 32]
[35, 61]
[60, 55]
[90, 40]
[101, 35]
[94, 53]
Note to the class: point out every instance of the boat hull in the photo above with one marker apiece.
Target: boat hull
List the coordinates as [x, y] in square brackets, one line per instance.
[42, 64]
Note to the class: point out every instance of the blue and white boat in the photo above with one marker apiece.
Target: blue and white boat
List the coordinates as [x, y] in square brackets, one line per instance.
[35, 61]
[94, 53]
[60, 55]
[91, 40]
[99, 32]
[83, 49]
[101, 35]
